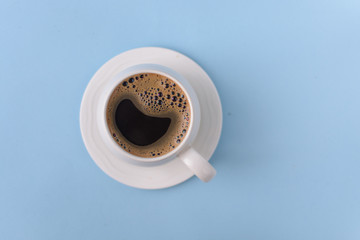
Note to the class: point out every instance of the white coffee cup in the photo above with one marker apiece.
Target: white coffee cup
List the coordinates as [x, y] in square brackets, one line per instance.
[190, 157]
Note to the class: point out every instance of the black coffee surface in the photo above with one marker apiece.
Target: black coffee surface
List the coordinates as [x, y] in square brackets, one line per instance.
[138, 128]
[148, 114]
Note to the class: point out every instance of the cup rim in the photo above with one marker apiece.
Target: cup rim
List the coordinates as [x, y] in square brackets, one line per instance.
[146, 68]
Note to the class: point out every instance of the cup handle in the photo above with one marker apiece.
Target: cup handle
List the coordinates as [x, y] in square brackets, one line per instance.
[198, 165]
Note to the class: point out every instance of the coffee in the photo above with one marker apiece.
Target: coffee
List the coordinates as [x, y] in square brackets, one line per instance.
[148, 114]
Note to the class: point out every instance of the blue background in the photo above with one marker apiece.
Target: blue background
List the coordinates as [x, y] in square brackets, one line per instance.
[288, 74]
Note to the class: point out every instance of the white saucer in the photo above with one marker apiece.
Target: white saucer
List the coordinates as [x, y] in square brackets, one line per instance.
[164, 174]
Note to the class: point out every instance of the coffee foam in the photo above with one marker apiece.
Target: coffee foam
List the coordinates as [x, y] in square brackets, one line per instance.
[157, 96]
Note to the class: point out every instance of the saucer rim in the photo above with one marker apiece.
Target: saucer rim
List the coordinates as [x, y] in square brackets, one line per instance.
[151, 55]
